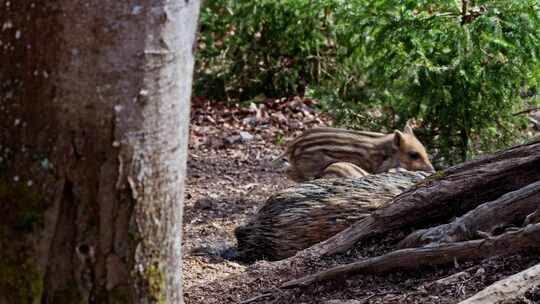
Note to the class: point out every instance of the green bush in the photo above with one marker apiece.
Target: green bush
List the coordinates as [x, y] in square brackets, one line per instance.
[377, 63]
[458, 69]
[274, 48]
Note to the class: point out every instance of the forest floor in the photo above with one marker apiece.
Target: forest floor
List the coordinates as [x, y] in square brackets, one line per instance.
[230, 175]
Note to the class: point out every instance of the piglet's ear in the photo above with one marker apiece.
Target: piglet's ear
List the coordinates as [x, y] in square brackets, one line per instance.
[398, 139]
[408, 129]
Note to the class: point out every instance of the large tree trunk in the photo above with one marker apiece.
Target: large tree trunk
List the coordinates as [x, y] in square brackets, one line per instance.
[94, 100]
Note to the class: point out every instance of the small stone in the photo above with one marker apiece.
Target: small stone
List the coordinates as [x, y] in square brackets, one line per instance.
[245, 136]
[231, 140]
[480, 272]
[250, 121]
[137, 9]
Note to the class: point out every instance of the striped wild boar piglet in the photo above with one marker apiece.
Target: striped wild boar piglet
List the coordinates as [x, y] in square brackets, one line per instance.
[314, 150]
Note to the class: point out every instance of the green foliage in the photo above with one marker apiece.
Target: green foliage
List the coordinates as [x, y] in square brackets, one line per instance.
[280, 140]
[248, 48]
[461, 75]
[377, 63]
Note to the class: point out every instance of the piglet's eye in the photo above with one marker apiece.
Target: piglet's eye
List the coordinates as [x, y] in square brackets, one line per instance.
[414, 155]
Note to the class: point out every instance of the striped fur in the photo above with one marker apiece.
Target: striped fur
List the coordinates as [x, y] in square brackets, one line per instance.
[317, 148]
[343, 170]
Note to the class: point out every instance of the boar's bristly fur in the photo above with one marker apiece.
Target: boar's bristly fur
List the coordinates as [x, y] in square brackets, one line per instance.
[310, 212]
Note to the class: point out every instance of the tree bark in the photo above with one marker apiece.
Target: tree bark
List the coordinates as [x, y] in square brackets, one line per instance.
[510, 288]
[413, 258]
[445, 195]
[510, 209]
[94, 99]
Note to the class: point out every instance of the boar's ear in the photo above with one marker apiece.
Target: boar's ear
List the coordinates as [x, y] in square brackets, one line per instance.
[398, 139]
[408, 129]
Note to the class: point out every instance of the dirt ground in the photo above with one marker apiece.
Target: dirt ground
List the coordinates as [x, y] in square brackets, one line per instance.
[230, 175]
[224, 187]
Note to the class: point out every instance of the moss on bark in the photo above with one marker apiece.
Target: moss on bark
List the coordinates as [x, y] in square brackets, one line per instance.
[22, 210]
[155, 279]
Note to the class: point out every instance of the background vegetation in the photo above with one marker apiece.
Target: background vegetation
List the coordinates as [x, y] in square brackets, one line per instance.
[461, 68]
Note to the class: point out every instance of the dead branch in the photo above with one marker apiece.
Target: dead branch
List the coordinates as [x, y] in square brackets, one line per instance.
[413, 258]
[449, 194]
[256, 298]
[510, 288]
[527, 111]
[511, 208]
[533, 218]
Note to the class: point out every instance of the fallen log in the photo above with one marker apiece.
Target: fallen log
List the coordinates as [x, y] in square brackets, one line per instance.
[445, 195]
[307, 213]
[413, 258]
[510, 209]
[510, 288]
